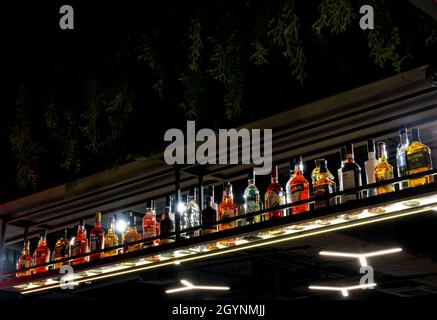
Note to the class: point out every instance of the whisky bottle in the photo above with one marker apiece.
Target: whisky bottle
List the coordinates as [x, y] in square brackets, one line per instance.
[339, 171]
[227, 209]
[80, 244]
[315, 173]
[251, 199]
[151, 227]
[61, 250]
[299, 187]
[274, 196]
[166, 223]
[401, 160]
[25, 261]
[192, 214]
[209, 216]
[383, 170]
[111, 239]
[97, 238]
[369, 166]
[131, 235]
[351, 175]
[418, 158]
[41, 254]
[323, 186]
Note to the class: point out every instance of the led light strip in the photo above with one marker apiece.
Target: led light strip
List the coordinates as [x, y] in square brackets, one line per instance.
[344, 290]
[179, 260]
[189, 286]
[362, 257]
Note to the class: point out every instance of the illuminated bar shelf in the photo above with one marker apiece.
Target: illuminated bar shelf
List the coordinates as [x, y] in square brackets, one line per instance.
[353, 214]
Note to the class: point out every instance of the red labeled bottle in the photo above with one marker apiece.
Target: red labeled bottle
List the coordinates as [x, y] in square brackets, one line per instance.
[80, 244]
[274, 196]
[25, 261]
[41, 254]
[97, 238]
[299, 187]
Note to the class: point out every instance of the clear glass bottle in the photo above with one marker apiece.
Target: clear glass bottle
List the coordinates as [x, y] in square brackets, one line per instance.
[192, 215]
[383, 170]
[351, 175]
[418, 158]
[369, 166]
[25, 261]
[274, 196]
[111, 239]
[131, 235]
[340, 169]
[80, 244]
[251, 199]
[227, 209]
[324, 186]
[97, 238]
[300, 187]
[41, 254]
[401, 160]
[61, 250]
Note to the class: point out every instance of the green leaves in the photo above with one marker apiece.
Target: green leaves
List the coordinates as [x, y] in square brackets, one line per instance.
[335, 15]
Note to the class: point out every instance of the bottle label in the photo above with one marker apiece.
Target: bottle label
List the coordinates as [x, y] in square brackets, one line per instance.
[419, 160]
[96, 242]
[272, 199]
[24, 264]
[77, 248]
[229, 213]
[60, 252]
[252, 206]
[296, 192]
[110, 242]
[348, 179]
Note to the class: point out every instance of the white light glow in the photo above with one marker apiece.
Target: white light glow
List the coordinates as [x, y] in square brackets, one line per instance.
[344, 290]
[189, 286]
[72, 241]
[362, 257]
[181, 207]
[120, 226]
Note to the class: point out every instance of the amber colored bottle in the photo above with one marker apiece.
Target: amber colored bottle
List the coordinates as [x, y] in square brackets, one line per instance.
[131, 235]
[25, 261]
[383, 170]
[111, 239]
[80, 244]
[41, 254]
[227, 209]
[323, 186]
[418, 158]
[274, 196]
[97, 238]
[151, 227]
[61, 250]
[300, 187]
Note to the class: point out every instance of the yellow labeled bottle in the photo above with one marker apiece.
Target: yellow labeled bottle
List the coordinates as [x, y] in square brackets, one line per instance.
[383, 170]
[418, 158]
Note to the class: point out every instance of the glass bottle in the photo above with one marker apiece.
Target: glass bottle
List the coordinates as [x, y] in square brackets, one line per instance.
[61, 250]
[339, 170]
[227, 209]
[324, 186]
[418, 158]
[131, 235]
[316, 170]
[383, 170]
[401, 160]
[274, 196]
[80, 244]
[25, 261]
[41, 254]
[369, 166]
[97, 238]
[111, 239]
[251, 199]
[166, 224]
[351, 175]
[151, 227]
[192, 215]
[299, 187]
[209, 216]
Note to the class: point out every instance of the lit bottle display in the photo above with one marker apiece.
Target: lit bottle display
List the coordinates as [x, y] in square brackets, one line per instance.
[79, 244]
[299, 187]
[383, 170]
[369, 166]
[61, 250]
[274, 196]
[324, 186]
[251, 199]
[41, 254]
[131, 235]
[401, 160]
[192, 214]
[339, 171]
[97, 238]
[25, 261]
[227, 209]
[151, 227]
[111, 239]
[418, 158]
[351, 175]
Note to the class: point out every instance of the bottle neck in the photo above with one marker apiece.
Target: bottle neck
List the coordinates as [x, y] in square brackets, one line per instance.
[26, 247]
[404, 139]
[371, 155]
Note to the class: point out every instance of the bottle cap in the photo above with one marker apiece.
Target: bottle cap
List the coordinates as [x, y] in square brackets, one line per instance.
[415, 134]
[370, 145]
[402, 130]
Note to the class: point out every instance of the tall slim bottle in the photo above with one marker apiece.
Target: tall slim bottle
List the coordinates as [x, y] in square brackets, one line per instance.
[401, 160]
[251, 199]
[97, 238]
[383, 170]
[369, 166]
[80, 244]
[25, 261]
[166, 224]
[339, 171]
[324, 186]
[418, 160]
[209, 216]
[61, 250]
[227, 209]
[41, 254]
[111, 239]
[351, 175]
[193, 214]
[274, 196]
[299, 187]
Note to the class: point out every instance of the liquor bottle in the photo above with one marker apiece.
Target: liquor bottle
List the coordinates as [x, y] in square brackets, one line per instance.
[111, 239]
[351, 175]
[401, 160]
[41, 254]
[61, 250]
[324, 186]
[227, 209]
[299, 187]
[166, 223]
[80, 244]
[315, 173]
[151, 227]
[131, 235]
[274, 196]
[209, 216]
[418, 158]
[25, 261]
[97, 238]
[251, 199]
[192, 214]
[339, 171]
[369, 166]
[383, 170]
